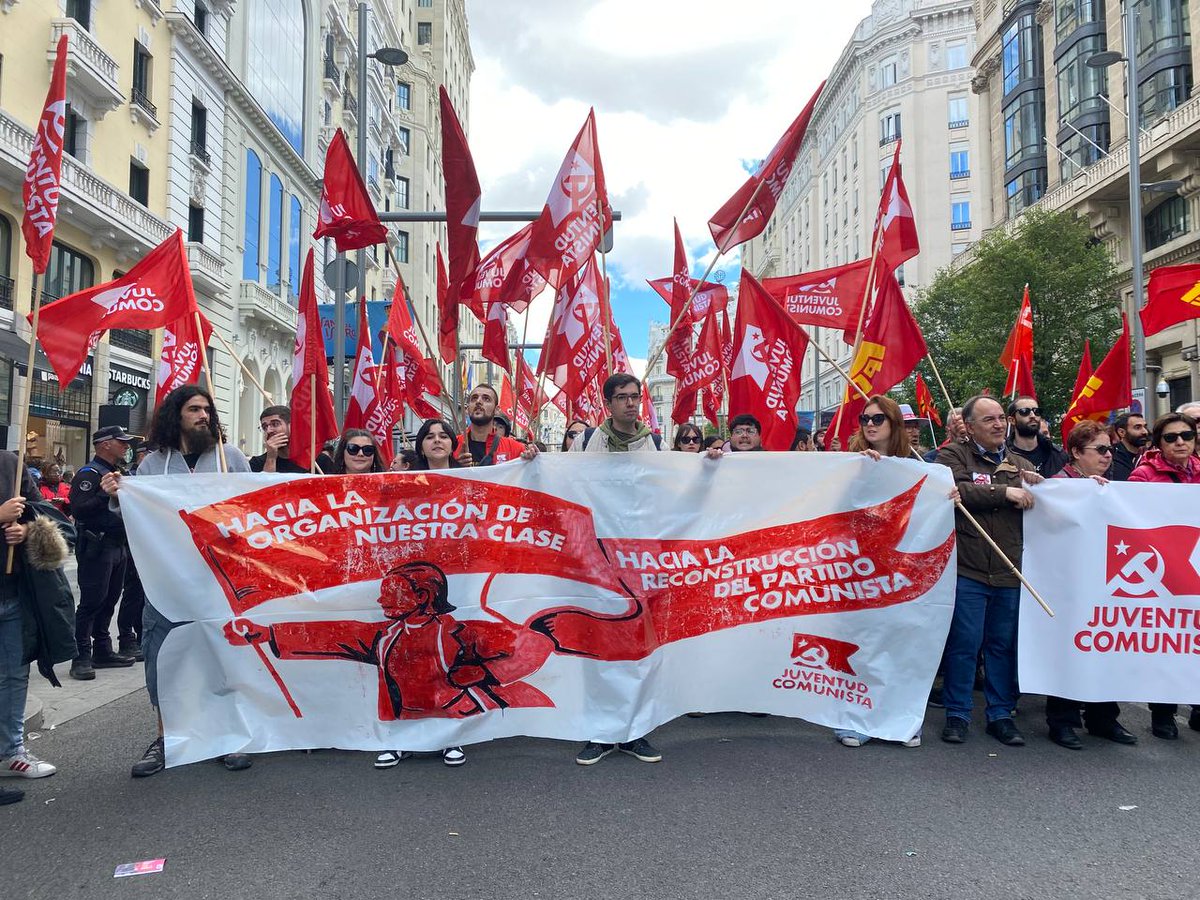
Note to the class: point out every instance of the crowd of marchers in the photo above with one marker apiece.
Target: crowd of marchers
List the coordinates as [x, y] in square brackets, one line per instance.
[995, 453]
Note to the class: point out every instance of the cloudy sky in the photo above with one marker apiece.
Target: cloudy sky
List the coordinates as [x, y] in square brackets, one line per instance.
[687, 94]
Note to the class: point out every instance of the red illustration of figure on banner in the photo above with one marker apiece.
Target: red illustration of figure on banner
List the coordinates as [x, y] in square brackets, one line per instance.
[431, 665]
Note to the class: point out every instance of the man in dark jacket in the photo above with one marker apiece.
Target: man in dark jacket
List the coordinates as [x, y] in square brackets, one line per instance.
[1026, 438]
[1129, 438]
[992, 483]
[102, 552]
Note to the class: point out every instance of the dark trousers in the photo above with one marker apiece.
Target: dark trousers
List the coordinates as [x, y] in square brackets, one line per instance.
[1096, 716]
[133, 598]
[1166, 710]
[101, 577]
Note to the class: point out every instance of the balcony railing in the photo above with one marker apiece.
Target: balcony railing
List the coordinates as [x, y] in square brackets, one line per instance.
[332, 72]
[138, 95]
[90, 69]
[960, 226]
[199, 151]
[889, 139]
[351, 103]
[6, 292]
[131, 340]
[960, 173]
[959, 123]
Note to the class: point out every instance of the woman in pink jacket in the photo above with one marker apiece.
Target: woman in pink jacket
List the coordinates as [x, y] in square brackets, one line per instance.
[1172, 456]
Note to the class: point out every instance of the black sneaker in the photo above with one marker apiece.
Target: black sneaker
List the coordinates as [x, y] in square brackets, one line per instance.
[641, 749]
[10, 795]
[153, 761]
[1194, 719]
[956, 730]
[454, 756]
[1164, 727]
[132, 648]
[81, 668]
[935, 697]
[592, 753]
[1006, 733]
[111, 660]
[236, 762]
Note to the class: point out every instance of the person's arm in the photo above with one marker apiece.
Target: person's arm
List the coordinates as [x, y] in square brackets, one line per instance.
[974, 496]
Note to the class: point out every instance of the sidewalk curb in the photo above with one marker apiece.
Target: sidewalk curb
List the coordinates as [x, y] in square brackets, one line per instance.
[33, 713]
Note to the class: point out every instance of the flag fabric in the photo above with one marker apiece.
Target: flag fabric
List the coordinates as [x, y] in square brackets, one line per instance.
[1109, 388]
[346, 213]
[714, 395]
[828, 298]
[745, 214]
[702, 369]
[417, 375]
[447, 312]
[182, 353]
[1084, 373]
[504, 275]
[388, 409]
[43, 174]
[362, 400]
[463, 196]
[310, 373]
[506, 403]
[495, 335]
[573, 350]
[891, 347]
[529, 396]
[154, 293]
[679, 330]
[576, 214]
[925, 405]
[895, 225]
[706, 295]
[769, 350]
[1017, 357]
[1173, 296]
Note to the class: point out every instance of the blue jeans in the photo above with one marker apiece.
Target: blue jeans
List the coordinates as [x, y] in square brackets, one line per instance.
[983, 616]
[14, 675]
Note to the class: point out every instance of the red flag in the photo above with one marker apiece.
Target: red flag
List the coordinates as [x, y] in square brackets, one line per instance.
[504, 275]
[576, 214]
[447, 312]
[180, 360]
[562, 404]
[714, 394]
[679, 330]
[925, 405]
[830, 298]
[706, 295]
[346, 214]
[746, 213]
[310, 373]
[769, 349]
[463, 197]
[507, 401]
[39, 194]
[495, 335]
[649, 414]
[1084, 373]
[892, 346]
[388, 409]
[362, 385]
[1173, 296]
[529, 397]
[702, 369]
[573, 351]
[895, 224]
[1108, 389]
[1017, 357]
[417, 375]
[154, 293]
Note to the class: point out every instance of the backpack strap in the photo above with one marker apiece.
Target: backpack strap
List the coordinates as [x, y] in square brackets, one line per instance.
[587, 435]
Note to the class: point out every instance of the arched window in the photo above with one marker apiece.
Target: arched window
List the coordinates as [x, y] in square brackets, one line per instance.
[6, 282]
[275, 235]
[275, 72]
[253, 205]
[294, 228]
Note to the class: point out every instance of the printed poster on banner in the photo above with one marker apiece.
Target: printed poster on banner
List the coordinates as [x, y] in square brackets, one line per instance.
[424, 610]
[1120, 565]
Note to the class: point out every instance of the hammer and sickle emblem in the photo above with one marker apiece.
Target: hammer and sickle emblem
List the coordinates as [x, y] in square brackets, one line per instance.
[1149, 578]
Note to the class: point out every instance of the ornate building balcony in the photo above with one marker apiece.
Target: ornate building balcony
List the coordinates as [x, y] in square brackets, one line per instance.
[254, 300]
[91, 72]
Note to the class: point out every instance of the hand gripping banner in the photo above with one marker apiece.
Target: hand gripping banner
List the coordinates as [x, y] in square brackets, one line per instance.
[591, 597]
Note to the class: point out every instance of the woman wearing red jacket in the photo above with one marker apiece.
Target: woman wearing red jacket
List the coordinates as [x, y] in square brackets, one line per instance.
[1172, 455]
[54, 489]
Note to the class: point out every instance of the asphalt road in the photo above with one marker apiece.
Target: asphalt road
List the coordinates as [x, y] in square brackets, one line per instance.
[740, 807]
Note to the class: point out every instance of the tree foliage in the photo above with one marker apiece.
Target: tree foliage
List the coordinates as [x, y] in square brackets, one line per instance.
[966, 314]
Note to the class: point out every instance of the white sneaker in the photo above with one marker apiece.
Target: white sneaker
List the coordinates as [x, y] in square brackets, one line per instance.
[849, 740]
[389, 758]
[25, 765]
[913, 741]
[454, 756]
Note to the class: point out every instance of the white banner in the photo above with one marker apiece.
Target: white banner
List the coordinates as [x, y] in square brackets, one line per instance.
[582, 597]
[1120, 566]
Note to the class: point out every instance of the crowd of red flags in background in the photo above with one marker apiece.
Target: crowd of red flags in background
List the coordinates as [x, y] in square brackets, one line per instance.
[754, 364]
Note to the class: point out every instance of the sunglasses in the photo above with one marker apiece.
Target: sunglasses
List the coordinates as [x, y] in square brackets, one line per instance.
[1102, 449]
[875, 419]
[1179, 436]
[360, 449]
[1028, 411]
[575, 434]
[693, 439]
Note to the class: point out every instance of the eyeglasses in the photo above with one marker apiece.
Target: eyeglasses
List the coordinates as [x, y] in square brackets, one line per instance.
[690, 439]
[360, 449]
[626, 398]
[744, 430]
[575, 434]
[1028, 411]
[1174, 436]
[875, 419]
[1102, 449]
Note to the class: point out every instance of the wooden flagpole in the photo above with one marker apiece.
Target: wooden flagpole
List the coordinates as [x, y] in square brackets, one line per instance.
[26, 402]
[941, 384]
[241, 365]
[605, 299]
[222, 462]
[868, 292]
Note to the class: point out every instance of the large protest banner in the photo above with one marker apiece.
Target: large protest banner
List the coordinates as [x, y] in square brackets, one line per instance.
[583, 597]
[1120, 564]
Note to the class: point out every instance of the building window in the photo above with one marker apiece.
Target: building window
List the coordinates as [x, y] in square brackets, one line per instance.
[402, 246]
[139, 182]
[295, 229]
[958, 248]
[1168, 221]
[275, 64]
[403, 95]
[1080, 86]
[956, 55]
[6, 282]
[958, 112]
[1163, 25]
[141, 78]
[960, 161]
[1025, 190]
[1163, 92]
[425, 3]
[1024, 120]
[195, 232]
[1084, 148]
[402, 193]
[253, 217]
[67, 272]
[887, 72]
[889, 128]
[1070, 14]
[424, 33]
[200, 17]
[74, 134]
[199, 131]
[1021, 55]
[81, 12]
[960, 214]
[275, 234]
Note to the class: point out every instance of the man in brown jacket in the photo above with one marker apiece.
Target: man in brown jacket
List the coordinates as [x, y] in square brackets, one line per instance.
[992, 484]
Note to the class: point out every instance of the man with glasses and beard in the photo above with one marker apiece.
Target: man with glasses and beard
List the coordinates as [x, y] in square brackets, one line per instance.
[1025, 438]
[186, 435]
[485, 445]
[1129, 438]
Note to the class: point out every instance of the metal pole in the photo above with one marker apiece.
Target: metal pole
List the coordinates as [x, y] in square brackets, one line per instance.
[416, 215]
[339, 338]
[362, 130]
[1135, 203]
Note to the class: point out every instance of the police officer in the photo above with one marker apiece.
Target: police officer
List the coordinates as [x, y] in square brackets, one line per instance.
[102, 551]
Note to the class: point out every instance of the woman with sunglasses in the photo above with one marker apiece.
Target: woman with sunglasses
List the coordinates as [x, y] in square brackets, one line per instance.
[1089, 451]
[688, 438]
[574, 429]
[356, 454]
